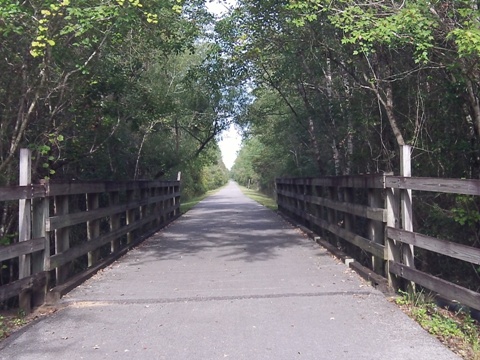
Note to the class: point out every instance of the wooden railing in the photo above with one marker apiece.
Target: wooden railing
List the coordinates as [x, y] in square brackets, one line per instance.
[68, 231]
[374, 213]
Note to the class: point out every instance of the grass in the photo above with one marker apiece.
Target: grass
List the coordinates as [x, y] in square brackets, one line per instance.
[11, 321]
[456, 330]
[252, 194]
[260, 198]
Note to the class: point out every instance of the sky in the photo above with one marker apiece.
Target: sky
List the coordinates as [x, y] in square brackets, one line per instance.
[229, 145]
[230, 139]
[219, 7]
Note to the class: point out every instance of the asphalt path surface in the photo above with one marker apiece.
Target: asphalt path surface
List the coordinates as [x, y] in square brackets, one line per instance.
[228, 280]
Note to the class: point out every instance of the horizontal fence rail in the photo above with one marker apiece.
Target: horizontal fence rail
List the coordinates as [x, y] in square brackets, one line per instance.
[369, 215]
[14, 193]
[449, 186]
[76, 228]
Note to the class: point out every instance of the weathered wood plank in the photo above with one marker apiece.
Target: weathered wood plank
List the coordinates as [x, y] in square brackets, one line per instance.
[85, 247]
[440, 246]
[74, 188]
[392, 248]
[62, 238]
[17, 287]
[40, 259]
[58, 222]
[114, 221]
[88, 246]
[376, 229]
[62, 221]
[130, 216]
[93, 227]
[446, 289]
[13, 193]
[21, 248]
[367, 212]
[363, 243]
[357, 181]
[25, 225]
[56, 293]
[406, 208]
[453, 186]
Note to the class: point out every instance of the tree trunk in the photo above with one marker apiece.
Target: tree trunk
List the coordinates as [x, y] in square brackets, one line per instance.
[331, 118]
[315, 146]
[474, 107]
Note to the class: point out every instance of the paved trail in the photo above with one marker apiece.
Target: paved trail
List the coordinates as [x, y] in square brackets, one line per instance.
[229, 280]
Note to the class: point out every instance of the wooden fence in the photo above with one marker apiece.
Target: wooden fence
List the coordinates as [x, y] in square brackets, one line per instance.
[68, 231]
[374, 213]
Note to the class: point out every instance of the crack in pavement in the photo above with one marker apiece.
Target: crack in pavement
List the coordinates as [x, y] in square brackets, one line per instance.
[93, 303]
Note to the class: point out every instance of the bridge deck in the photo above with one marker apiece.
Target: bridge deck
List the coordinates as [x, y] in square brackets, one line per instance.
[229, 280]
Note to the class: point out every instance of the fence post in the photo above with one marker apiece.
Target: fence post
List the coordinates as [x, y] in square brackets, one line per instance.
[115, 220]
[375, 228]
[406, 207]
[93, 228]
[176, 188]
[25, 225]
[301, 191]
[393, 220]
[278, 197]
[62, 237]
[297, 201]
[130, 215]
[349, 219]
[41, 260]
[332, 215]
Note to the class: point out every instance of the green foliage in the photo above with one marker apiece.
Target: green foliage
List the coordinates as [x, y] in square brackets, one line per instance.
[8, 239]
[262, 199]
[207, 173]
[79, 19]
[88, 63]
[370, 24]
[3, 328]
[368, 27]
[11, 322]
[458, 329]
[466, 212]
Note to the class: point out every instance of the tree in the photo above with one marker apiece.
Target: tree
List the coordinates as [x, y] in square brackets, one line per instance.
[57, 56]
[439, 37]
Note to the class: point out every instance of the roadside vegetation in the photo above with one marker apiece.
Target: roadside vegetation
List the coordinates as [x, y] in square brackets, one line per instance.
[11, 321]
[457, 330]
[259, 197]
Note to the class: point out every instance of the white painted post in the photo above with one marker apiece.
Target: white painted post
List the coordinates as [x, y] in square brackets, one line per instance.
[406, 171]
[176, 200]
[406, 206]
[25, 224]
